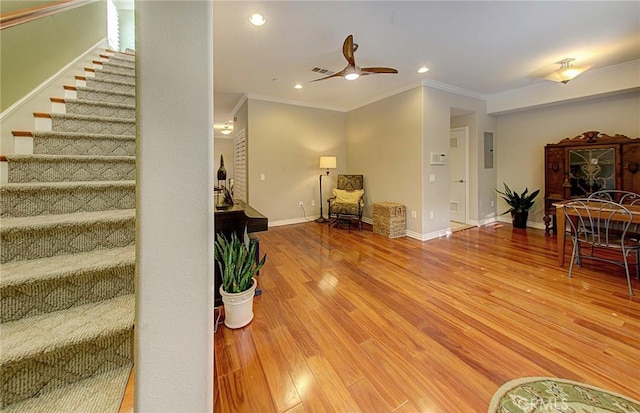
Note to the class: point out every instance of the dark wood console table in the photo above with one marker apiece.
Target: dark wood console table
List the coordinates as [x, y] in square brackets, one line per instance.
[231, 220]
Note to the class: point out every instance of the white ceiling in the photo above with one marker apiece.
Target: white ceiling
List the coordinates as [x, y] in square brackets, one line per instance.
[483, 47]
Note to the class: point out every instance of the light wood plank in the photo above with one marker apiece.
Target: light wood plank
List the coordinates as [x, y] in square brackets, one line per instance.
[355, 321]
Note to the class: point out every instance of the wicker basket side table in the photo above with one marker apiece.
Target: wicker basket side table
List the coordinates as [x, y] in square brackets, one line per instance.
[389, 219]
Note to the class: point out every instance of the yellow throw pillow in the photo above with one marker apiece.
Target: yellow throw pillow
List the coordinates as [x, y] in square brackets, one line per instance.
[347, 197]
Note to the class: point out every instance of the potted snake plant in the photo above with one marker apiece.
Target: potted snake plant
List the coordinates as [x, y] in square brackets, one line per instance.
[519, 204]
[238, 263]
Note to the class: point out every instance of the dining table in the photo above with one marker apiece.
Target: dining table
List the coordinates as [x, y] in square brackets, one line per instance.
[561, 222]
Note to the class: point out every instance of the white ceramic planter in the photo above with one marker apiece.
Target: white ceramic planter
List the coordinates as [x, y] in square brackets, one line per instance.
[238, 307]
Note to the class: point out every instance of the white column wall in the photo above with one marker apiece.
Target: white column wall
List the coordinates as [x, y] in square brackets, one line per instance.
[174, 242]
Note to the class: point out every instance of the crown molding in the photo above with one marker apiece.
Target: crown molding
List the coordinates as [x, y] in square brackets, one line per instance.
[454, 89]
[293, 102]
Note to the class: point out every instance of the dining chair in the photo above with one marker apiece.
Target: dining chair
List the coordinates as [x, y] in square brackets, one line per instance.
[616, 195]
[597, 226]
[625, 198]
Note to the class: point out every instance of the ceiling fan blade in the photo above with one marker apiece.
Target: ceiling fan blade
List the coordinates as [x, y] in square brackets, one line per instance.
[375, 70]
[338, 74]
[348, 50]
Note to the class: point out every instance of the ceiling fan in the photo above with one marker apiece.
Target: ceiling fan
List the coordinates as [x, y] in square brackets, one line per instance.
[353, 71]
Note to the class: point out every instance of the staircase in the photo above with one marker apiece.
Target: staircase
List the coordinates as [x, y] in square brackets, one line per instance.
[67, 257]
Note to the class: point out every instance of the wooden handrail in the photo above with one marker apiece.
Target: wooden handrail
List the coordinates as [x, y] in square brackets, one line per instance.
[26, 15]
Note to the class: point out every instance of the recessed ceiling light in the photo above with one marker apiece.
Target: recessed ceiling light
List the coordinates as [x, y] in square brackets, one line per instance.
[298, 86]
[257, 19]
[423, 69]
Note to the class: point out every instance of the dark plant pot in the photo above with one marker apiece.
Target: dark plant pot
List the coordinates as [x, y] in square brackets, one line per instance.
[520, 219]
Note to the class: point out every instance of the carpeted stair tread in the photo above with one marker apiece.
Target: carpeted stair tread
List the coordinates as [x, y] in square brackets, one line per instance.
[19, 272]
[24, 338]
[71, 135]
[111, 85]
[90, 117]
[11, 225]
[69, 168]
[53, 198]
[101, 393]
[131, 74]
[116, 65]
[83, 143]
[101, 95]
[66, 122]
[44, 285]
[112, 92]
[44, 186]
[99, 103]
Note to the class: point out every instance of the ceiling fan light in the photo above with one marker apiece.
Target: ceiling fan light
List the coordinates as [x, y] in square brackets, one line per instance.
[352, 76]
[257, 19]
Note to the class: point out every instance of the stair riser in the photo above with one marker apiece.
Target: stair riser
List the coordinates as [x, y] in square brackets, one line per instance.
[28, 300]
[69, 171]
[105, 96]
[46, 371]
[126, 68]
[29, 244]
[123, 59]
[66, 201]
[118, 77]
[110, 86]
[81, 108]
[64, 124]
[84, 146]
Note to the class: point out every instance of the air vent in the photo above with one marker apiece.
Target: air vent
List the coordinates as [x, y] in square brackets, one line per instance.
[322, 71]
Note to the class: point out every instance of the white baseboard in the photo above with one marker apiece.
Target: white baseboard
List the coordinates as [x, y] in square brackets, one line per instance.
[292, 221]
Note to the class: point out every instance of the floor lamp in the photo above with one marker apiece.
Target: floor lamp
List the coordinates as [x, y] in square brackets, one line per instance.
[326, 162]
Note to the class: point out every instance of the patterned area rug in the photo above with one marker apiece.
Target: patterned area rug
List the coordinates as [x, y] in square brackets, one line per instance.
[544, 394]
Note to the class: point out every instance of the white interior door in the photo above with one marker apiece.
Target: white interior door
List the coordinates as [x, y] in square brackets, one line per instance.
[458, 171]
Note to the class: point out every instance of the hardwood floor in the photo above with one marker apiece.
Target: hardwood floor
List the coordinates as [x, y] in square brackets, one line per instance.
[352, 321]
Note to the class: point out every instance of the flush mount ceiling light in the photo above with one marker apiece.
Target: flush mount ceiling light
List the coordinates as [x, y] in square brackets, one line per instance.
[297, 86]
[257, 19]
[567, 71]
[423, 69]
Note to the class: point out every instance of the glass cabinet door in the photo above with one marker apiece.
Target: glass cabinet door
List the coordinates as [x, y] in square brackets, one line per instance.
[591, 169]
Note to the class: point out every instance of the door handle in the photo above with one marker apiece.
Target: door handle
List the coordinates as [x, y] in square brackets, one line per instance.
[460, 181]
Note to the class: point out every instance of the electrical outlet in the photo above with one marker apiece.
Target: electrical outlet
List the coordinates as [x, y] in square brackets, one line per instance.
[493, 204]
[313, 202]
[300, 204]
[414, 214]
[430, 214]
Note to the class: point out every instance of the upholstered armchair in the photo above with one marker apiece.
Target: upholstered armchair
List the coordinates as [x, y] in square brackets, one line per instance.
[347, 202]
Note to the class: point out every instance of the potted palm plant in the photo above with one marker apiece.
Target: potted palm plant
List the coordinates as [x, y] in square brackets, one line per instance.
[238, 264]
[520, 204]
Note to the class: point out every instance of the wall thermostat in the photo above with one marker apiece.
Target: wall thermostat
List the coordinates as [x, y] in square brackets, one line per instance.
[438, 158]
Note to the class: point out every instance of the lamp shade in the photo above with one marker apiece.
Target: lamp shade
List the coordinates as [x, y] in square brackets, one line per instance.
[327, 162]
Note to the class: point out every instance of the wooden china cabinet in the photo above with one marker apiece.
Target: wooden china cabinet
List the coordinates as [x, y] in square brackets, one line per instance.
[576, 167]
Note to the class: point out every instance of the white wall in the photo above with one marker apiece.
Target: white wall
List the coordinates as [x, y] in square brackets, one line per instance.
[174, 242]
[285, 143]
[20, 115]
[384, 143]
[437, 106]
[522, 136]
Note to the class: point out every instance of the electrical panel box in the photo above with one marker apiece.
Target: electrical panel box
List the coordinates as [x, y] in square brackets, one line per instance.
[438, 158]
